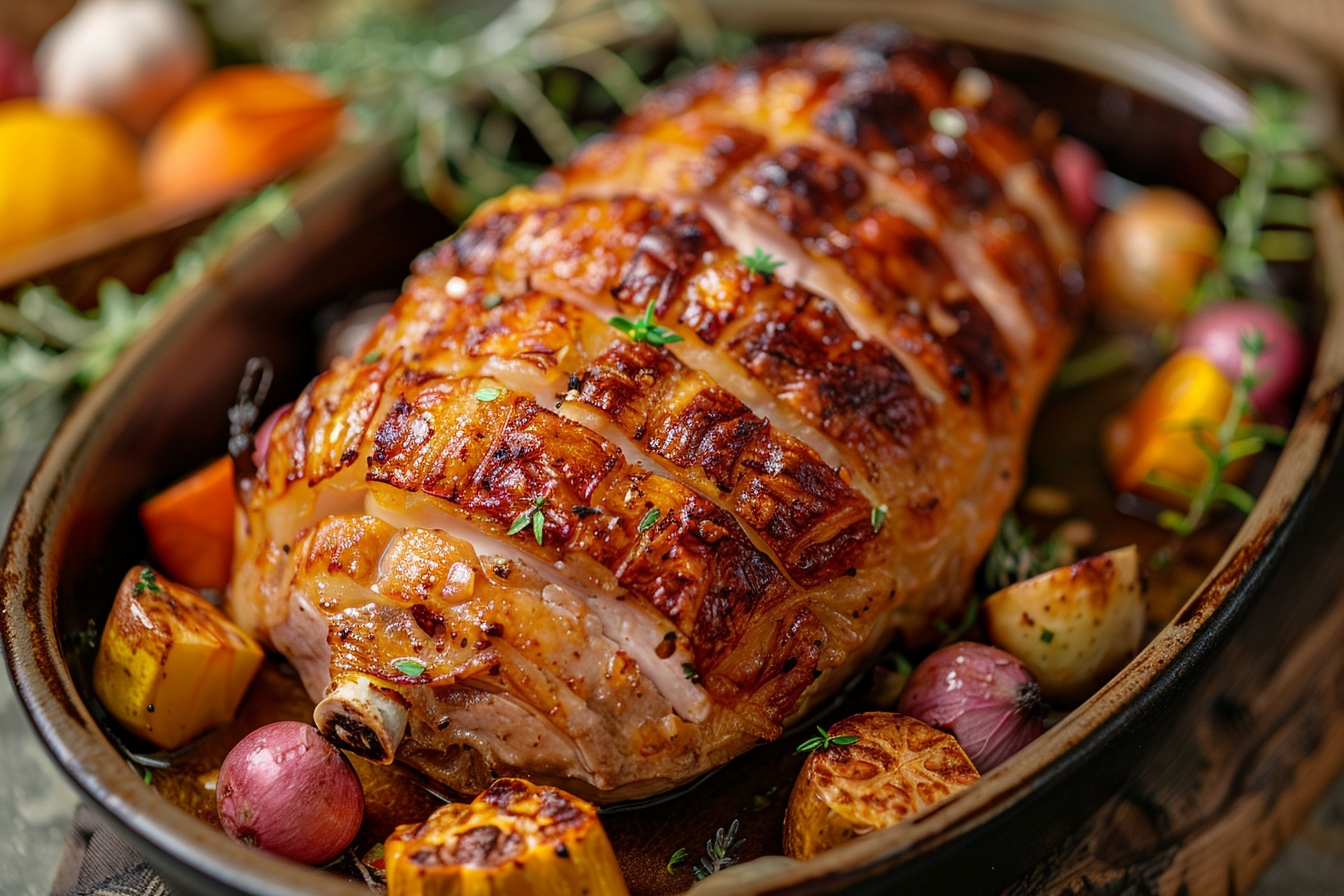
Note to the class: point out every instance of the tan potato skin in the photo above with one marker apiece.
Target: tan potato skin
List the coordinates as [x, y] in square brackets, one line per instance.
[1073, 627]
[898, 767]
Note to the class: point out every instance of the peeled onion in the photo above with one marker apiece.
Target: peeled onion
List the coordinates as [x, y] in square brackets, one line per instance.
[982, 696]
[287, 791]
[1216, 331]
[128, 58]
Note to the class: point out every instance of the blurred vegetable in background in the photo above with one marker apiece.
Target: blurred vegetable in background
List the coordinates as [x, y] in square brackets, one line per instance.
[128, 58]
[59, 169]
[16, 70]
[1148, 256]
[1154, 434]
[475, 97]
[238, 129]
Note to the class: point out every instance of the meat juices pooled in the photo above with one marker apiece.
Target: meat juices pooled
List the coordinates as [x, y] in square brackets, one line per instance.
[509, 538]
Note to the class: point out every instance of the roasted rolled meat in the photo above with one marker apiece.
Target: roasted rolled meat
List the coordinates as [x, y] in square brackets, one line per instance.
[649, 458]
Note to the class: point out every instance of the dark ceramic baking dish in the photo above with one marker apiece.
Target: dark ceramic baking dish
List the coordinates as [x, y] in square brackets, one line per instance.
[161, 411]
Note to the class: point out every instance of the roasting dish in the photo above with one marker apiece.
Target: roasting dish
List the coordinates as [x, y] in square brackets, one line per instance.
[67, 546]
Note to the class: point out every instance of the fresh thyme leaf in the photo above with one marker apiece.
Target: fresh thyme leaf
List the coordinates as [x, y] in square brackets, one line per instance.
[952, 634]
[491, 300]
[645, 329]
[538, 525]
[690, 672]
[1047, 636]
[373, 357]
[649, 520]
[87, 637]
[681, 855]
[522, 522]
[761, 801]
[1014, 558]
[878, 517]
[148, 777]
[1223, 444]
[413, 668]
[824, 741]
[761, 263]
[146, 582]
[488, 394]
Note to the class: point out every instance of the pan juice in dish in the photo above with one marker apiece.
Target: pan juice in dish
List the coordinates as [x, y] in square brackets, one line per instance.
[653, 460]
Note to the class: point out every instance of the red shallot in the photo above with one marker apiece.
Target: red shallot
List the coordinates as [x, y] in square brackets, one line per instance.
[982, 696]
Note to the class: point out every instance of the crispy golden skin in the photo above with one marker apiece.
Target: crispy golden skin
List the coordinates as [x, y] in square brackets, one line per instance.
[730, 523]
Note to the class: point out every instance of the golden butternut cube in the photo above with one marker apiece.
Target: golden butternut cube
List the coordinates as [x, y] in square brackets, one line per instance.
[170, 665]
[1073, 627]
[515, 837]
[893, 767]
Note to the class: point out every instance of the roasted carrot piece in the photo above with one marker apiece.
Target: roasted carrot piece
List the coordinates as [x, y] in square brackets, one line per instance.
[190, 526]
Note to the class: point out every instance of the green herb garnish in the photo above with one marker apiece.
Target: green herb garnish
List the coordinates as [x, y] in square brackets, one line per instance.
[147, 582]
[878, 517]
[1014, 558]
[1276, 157]
[762, 263]
[645, 329]
[689, 671]
[1230, 441]
[373, 357]
[720, 852]
[533, 516]
[824, 741]
[649, 519]
[491, 300]
[677, 858]
[954, 633]
[488, 394]
[1047, 636]
[413, 668]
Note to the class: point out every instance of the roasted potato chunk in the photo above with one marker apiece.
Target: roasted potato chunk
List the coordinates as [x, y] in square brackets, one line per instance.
[170, 666]
[513, 838]
[1073, 627]
[898, 766]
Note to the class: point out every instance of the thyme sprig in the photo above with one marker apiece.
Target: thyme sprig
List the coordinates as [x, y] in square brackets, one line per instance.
[681, 855]
[1223, 444]
[49, 350]
[465, 88]
[720, 852]
[645, 329]
[1015, 557]
[761, 263]
[823, 741]
[535, 517]
[1275, 156]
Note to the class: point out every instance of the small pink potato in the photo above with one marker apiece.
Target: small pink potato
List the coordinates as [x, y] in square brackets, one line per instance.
[287, 791]
[1216, 332]
[1078, 167]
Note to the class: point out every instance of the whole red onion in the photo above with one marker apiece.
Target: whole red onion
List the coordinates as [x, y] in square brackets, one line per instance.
[1078, 168]
[980, 695]
[1216, 331]
[286, 790]
[16, 69]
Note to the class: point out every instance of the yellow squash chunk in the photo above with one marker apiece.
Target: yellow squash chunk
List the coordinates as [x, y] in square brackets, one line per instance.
[513, 838]
[1152, 436]
[1073, 627]
[896, 767]
[170, 666]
